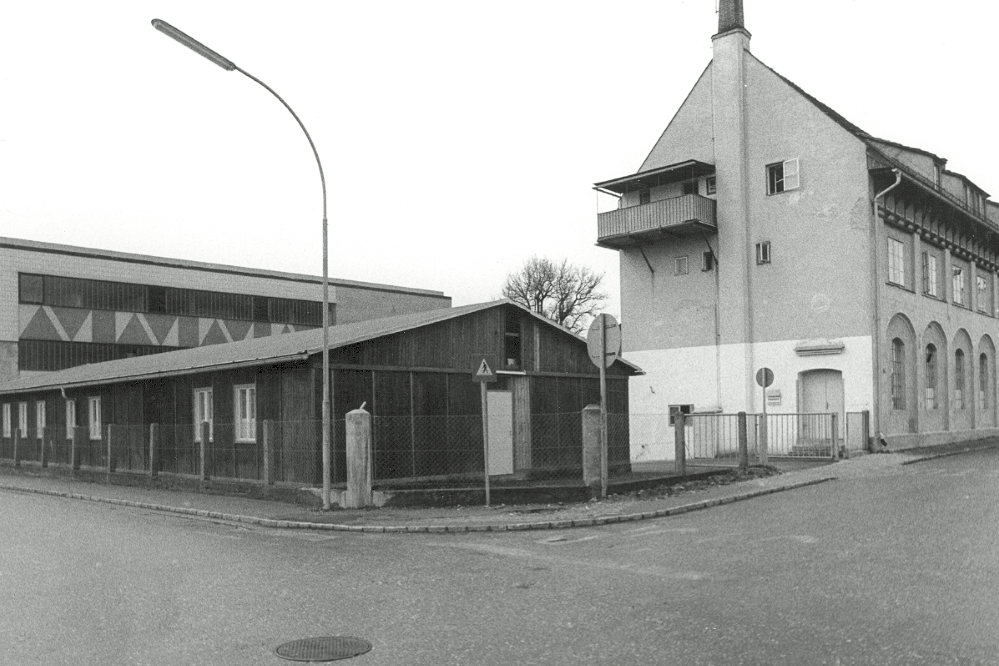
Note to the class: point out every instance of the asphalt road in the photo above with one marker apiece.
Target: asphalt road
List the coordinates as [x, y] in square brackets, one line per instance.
[899, 568]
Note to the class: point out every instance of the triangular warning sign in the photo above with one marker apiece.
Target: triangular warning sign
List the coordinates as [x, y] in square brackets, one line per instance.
[484, 370]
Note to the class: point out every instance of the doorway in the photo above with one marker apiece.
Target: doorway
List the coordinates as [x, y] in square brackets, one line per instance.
[500, 404]
[821, 393]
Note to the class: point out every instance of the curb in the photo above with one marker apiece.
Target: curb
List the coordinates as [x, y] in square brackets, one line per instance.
[946, 454]
[425, 529]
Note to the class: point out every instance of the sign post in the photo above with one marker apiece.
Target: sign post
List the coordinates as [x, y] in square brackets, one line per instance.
[603, 343]
[764, 377]
[482, 372]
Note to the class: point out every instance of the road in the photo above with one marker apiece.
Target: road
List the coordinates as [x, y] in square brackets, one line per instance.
[899, 568]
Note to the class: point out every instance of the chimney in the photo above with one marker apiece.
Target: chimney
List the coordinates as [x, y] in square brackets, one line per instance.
[730, 17]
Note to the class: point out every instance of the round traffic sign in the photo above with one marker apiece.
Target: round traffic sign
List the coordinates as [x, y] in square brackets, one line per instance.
[604, 336]
[764, 377]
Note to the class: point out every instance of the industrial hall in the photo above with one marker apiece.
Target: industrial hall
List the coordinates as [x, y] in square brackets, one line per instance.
[861, 272]
[63, 306]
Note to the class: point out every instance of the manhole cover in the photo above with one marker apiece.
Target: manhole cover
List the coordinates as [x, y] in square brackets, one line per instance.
[323, 648]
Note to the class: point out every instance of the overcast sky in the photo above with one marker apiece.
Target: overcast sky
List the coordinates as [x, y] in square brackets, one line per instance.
[458, 138]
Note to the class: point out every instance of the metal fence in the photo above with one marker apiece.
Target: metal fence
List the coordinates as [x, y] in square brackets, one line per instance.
[713, 439]
[406, 451]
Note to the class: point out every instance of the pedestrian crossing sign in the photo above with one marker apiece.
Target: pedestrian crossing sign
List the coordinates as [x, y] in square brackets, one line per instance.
[482, 368]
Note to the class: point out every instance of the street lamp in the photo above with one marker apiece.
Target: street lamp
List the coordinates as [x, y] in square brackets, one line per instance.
[229, 66]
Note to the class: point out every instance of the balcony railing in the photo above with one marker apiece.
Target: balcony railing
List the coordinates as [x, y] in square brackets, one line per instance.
[677, 216]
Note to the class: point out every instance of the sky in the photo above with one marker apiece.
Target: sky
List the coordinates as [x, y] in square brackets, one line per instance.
[458, 138]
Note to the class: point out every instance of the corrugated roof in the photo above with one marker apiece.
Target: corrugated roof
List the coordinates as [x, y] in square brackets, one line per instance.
[259, 351]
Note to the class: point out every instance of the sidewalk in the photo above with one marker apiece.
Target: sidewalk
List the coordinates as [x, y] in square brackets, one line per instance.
[462, 519]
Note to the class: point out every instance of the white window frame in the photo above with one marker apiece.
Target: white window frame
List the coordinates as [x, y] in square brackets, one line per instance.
[70, 417]
[930, 276]
[710, 185]
[245, 412]
[94, 416]
[7, 420]
[39, 418]
[984, 293]
[896, 262]
[957, 274]
[763, 252]
[788, 179]
[204, 412]
[681, 266]
[22, 419]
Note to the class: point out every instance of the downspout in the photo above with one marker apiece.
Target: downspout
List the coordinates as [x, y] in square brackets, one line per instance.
[876, 264]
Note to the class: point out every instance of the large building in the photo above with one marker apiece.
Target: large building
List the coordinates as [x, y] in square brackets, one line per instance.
[63, 306]
[861, 271]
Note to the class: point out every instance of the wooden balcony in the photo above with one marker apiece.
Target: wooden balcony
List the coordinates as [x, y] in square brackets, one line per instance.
[680, 216]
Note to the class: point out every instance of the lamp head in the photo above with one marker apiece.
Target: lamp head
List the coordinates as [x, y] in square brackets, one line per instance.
[193, 44]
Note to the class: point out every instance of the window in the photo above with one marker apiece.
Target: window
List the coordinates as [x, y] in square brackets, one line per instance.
[6, 420]
[39, 419]
[896, 262]
[930, 279]
[22, 419]
[680, 265]
[983, 382]
[959, 379]
[246, 413]
[763, 252]
[931, 377]
[94, 411]
[644, 196]
[511, 342]
[707, 261]
[70, 418]
[689, 187]
[709, 185]
[958, 279]
[936, 175]
[158, 299]
[897, 374]
[678, 409]
[203, 413]
[32, 288]
[984, 293]
[782, 176]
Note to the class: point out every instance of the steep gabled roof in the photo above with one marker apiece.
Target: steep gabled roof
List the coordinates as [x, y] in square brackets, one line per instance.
[259, 351]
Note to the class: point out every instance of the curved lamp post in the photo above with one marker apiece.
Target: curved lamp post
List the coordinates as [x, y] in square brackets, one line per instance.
[229, 66]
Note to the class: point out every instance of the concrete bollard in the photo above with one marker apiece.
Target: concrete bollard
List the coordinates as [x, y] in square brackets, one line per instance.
[591, 449]
[680, 443]
[358, 443]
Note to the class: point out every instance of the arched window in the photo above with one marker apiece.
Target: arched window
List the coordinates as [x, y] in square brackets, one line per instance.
[983, 382]
[897, 374]
[931, 377]
[959, 379]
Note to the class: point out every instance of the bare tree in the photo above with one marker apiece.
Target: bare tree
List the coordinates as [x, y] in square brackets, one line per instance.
[561, 291]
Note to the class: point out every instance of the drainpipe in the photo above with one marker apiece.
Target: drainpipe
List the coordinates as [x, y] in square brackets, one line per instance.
[876, 282]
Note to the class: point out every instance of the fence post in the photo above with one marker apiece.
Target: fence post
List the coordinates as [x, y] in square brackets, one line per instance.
[680, 443]
[268, 453]
[834, 453]
[591, 449]
[154, 450]
[17, 446]
[762, 437]
[358, 443]
[75, 449]
[866, 431]
[43, 457]
[203, 450]
[743, 443]
[112, 463]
